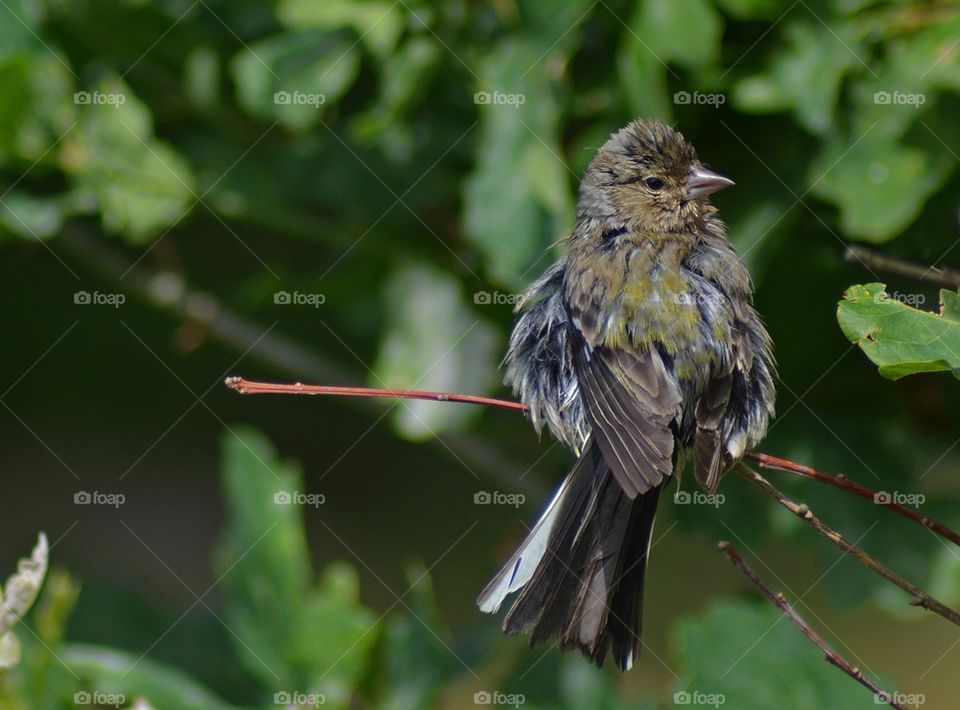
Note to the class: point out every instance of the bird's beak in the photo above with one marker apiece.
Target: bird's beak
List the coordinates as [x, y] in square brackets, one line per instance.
[705, 182]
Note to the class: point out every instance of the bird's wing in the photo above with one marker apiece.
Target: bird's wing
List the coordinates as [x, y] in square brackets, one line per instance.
[631, 400]
[708, 444]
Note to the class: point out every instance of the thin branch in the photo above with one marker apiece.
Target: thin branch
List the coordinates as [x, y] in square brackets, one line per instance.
[878, 261]
[783, 605]
[802, 511]
[250, 387]
[843, 483]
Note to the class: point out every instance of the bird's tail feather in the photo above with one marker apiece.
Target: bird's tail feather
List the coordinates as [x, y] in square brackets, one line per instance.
[582, 567]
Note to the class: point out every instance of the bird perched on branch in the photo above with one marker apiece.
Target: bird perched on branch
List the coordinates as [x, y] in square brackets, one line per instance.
[638, 349]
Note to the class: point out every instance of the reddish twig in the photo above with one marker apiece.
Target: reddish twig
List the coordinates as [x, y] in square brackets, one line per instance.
[843, 483]
[249, 387]
[783, 605]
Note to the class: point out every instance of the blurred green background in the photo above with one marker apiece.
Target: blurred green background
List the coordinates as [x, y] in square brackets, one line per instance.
[354, 193]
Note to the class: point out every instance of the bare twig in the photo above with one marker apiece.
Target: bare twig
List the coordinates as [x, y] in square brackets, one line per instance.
[790, 613]
[879, 261]
[249, 387]
[802, 511]
[843, 483]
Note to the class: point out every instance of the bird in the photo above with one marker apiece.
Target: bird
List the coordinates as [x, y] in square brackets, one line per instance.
[641, 350]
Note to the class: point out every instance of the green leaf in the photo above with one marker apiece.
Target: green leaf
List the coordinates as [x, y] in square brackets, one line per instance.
[434, 342]
[142, 184]
[507, 217]
[20, 27]
[804, 75]
[201, 77]
[377, 23]
[900, 339]
[766, 662]
[402, 81]
[418, 661]
[687, 31]
[879, 184]
[642, 74]
[30, 217]
[292, 78]
[293, 635]
[14, 100]
[111, 672]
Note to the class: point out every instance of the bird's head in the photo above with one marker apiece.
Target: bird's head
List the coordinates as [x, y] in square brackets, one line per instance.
[648, 177]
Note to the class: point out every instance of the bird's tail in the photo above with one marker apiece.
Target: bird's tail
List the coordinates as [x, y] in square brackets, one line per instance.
[581, 569]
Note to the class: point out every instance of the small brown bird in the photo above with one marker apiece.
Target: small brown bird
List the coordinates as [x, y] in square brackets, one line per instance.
[640, 345]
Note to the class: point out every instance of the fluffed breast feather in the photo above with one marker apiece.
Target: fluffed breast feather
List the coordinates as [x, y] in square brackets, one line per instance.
[539, 362]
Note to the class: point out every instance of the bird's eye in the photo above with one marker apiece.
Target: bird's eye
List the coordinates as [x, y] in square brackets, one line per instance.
[653, 183]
